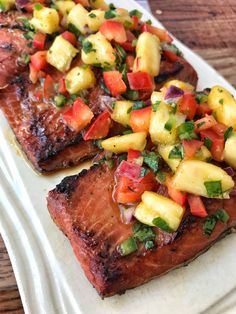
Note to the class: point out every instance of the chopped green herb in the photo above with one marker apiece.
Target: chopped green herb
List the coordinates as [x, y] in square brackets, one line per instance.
[122, 157]
[201, 97]
[131, 94]
[24, 58]
[127, 24]
[2, 7]
[92, 15]
[73, 29]
[138, 105]
[143, 232]
[110, 163]
[112, 6]
[221, 101]
[213, 188]
[38, 6]
[120, 54]
[25, 22]
[149, 245]
[106, 90]
[172, 48]
[161, 176]
[143, 172]
[186, 131]
[100, 161]
[127, 132]
[162, 224]
[136, 13]
[155, 105]
[128, 246]
[170, 123]
[151, 160]
[29, 35]
[149, 22]
[81, 38]
[177, 152]
[228, 133]
[211, 221]
[88, 47]
[110, 14]
[98, 143]
[59, 100]
[207, 142]
[124, 70]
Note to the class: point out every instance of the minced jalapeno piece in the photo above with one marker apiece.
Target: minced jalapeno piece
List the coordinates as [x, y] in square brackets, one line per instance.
[128, 246]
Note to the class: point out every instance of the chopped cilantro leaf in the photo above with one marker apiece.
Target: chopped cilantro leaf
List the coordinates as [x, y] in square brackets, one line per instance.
[143, 232]
[92, 15]
[177, 152]
[207, 143]
[155, 105]
[211, 221]
[228, 133]
[136, 13]
[213, 188]
[186, 131]
[151, 160]
[88, 47]
[38, 6]
[110, 14]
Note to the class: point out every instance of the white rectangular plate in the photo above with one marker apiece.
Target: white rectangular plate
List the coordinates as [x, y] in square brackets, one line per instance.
[49, 277]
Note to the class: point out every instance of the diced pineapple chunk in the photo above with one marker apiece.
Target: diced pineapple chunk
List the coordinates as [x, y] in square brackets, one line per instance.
[78, 17]
[121, 112]
[157, 129]
[61, 53]
[64, 7]
[148, 56]
[79, 78]
[45, 20]
[121, 144]
[180, 84]
[156, 97]
[99, 4]
[101, 51]
[224, 105]
[230, 151]
[154, 206]
[192, 174]
[164, 151]
[95, 19]
[6, 5]
[203, 154]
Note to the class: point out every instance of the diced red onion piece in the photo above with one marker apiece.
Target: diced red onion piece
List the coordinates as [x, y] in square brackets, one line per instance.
[230, 171]
[129, 170]
[126, 213]
[173, 94]
[22, 3]
[106, 103]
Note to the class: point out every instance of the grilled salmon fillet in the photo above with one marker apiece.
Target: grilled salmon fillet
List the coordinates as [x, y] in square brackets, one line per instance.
[83, 208]
[45, 138]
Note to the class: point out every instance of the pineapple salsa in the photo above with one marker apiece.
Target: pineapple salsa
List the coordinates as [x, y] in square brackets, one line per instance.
[177, 146]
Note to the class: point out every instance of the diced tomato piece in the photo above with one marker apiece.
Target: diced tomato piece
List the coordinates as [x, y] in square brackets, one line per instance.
[197, 208]
[176, 195]
[84, 3]
[129, 170]
[140, 81]
[130, 191]
[170, 55]
[217, 143]
[69, 37]
[114, 82]
[191, 147]
[114, 30]
[161, 33]
[48, 87]
[133, 154]
[205, 123]
[135, 22]
[140, 119]
[39, 60]
[99, 128]
[128, 46]
[203, 109]
[188, 105]
[62, 86]
[219, 129]
[39, 41]
[78, 116]
[129, 62]
[29, 7]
